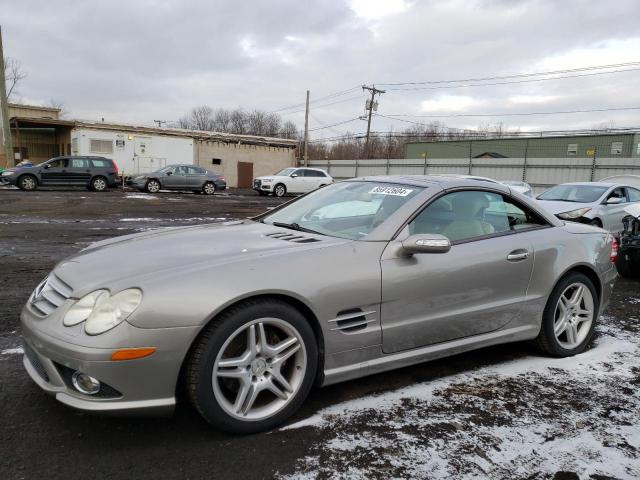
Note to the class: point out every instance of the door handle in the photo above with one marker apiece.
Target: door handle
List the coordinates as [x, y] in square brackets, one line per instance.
[518, 255]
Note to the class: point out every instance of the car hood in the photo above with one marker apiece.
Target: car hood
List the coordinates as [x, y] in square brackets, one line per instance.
[556, 207]
[633, 210]
[269, 176]
[132, 257]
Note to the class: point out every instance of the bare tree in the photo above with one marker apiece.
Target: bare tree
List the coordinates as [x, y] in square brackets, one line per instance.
[64, 112]
[200, 118]
[13, 75]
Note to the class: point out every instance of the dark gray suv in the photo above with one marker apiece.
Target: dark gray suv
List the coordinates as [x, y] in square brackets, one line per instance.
[95, 173]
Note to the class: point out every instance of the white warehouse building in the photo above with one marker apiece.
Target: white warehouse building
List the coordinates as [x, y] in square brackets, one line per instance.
[38, 134]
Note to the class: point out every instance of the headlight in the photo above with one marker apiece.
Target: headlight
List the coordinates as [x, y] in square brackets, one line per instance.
[573, 214]
[102, 311]
[7, 174]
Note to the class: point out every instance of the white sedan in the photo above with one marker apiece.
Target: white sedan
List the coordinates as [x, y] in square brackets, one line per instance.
[292, 180]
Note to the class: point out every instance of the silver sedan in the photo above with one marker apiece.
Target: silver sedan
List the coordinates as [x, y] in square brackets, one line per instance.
[353, 279]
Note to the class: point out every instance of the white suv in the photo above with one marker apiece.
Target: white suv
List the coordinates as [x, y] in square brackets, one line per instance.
[292, 180]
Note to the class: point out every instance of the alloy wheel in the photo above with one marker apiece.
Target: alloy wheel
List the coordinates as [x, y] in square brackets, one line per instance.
[259, 369]
[209, 188]
[280, 191]
[99, 184]
[28, 183]
[153, 186]
[573, 315]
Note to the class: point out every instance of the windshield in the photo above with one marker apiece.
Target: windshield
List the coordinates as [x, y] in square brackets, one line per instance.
[574, 193]
[285, 173]
[346, 210]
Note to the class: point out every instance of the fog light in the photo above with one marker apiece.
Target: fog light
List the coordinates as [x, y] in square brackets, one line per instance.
[85, 383]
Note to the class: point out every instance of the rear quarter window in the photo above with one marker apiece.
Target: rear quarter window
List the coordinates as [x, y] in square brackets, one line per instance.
[100, 163]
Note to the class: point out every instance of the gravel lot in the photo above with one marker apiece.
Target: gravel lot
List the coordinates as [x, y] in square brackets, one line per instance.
[501, 412]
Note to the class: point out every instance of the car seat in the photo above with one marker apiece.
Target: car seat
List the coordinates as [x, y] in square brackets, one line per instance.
[468, 208]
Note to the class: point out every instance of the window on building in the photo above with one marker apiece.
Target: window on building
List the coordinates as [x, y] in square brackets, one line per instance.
[74, 146]
[572, 149]
[638, 149]
[616, 148]
[216, 161]
[100, 146]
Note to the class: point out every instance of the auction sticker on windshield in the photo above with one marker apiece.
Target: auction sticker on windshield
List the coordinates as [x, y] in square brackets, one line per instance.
[397, 191]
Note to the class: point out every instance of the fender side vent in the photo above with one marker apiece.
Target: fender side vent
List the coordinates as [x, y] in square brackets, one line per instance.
[351, 320]
[292, 237]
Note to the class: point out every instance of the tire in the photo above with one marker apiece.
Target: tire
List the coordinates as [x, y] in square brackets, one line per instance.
[216, 397]
[152, 186]
[625, 266]
[27, 183]
[209, 188]
[579, 327]
[279, 190]
[98, 184]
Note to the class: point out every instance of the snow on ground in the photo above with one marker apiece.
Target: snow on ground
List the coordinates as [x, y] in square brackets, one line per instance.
[12, 351]
[141, 196]
[531, 417]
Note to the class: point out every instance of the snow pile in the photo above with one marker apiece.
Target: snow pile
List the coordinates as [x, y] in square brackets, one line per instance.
[530, 417]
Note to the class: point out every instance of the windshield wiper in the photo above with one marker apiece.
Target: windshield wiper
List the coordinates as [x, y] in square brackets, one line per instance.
[296, 227]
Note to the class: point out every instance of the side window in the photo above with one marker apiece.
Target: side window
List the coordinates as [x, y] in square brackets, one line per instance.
[79, 163]
[195, 171]
[98, 163]
[315, 173]
[634, 194]
[618, 193]
[299, 172]
[473, 214]
[180, 171]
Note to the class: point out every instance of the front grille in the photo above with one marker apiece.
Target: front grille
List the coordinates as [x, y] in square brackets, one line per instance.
[49, 295]
[35, 362]
[106, 391]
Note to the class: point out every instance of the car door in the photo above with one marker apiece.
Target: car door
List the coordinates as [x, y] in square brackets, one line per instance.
[195, 177]
[79, 171]
[55, 172]
[613, 213]
[477, 287]
[297, 182]
[175, 179]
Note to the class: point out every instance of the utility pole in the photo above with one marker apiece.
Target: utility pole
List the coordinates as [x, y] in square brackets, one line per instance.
[160, 122]
[370, 105]
[306, 132]
[5, 134]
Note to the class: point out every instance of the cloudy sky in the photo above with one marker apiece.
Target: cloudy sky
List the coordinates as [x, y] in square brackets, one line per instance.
[137, 61]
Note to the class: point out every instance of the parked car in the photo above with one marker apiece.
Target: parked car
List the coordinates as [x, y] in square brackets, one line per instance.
[179, 177]
[596, 203]
[247, 316]
[521, 187]
[629, 255]
[95, 173]
[292, 180]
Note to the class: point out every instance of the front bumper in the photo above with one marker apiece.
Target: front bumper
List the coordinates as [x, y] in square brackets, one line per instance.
[8, 180]
[260, 186]
[146, 385]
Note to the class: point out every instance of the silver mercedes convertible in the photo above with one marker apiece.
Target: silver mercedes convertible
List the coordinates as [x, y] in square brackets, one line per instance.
[356, 278]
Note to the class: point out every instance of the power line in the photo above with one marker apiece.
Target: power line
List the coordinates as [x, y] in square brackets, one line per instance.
[326, 104]
[532, 80]
[333, 124]
[515, 114]
[518, 75]
[319, 99]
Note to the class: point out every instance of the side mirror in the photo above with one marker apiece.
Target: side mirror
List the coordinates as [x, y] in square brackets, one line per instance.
[46, 166]
[426, 243]
[168, 173]
[613, 200]
[294, 175]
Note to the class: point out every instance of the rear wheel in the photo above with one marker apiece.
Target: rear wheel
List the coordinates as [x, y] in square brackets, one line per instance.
[253, 367]
[27, 182]
[98, 184]
[279, 190]
[152, 186]
[569, 317]
[209, 188]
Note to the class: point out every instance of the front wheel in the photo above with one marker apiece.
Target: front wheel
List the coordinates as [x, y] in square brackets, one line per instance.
[152, 186]
[27, 183]
[252, 368]
[279, 190]
[209, 188]
[569, 317]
